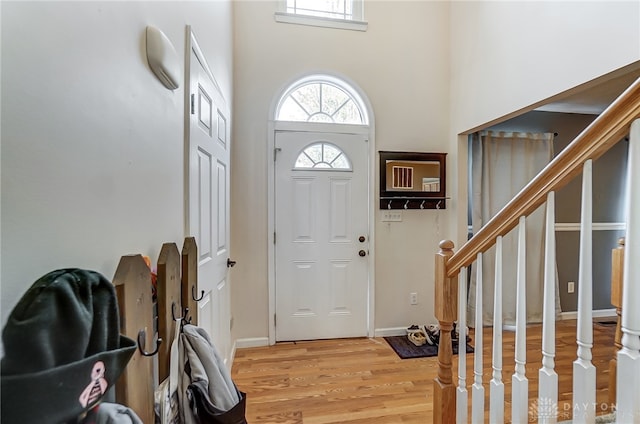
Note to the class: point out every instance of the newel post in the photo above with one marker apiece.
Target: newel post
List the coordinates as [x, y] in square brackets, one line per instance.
[446, 311]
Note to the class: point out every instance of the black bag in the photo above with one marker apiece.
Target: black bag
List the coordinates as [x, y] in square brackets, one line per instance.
[206, 413]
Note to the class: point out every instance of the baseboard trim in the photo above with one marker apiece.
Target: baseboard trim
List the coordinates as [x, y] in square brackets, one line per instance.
[252, 342]
[596, 226]
[401, 331]
[599, 313]
[232, 356]
[393, 331]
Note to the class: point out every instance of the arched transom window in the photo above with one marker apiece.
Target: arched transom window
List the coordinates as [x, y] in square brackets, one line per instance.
[321, 100]
[323, 156]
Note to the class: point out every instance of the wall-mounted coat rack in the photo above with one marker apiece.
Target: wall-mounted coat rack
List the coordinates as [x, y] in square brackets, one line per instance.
[413, 202]
[412, 180]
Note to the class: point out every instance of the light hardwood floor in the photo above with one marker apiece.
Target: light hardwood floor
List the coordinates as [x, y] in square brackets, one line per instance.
[362, 380]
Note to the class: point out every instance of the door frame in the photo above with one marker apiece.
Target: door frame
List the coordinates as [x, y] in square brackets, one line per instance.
[368, 131]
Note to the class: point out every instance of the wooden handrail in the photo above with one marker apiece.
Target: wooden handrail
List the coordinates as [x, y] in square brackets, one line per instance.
[604, 132]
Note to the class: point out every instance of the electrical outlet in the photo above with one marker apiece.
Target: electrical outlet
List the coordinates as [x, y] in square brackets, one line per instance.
[413, 298]
[571, 287]
[391, 216]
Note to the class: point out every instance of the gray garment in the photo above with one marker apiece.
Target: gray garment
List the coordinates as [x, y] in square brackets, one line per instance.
[113, 413]
[199, 355]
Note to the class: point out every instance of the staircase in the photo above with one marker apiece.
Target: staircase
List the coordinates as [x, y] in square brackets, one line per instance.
[454, 401]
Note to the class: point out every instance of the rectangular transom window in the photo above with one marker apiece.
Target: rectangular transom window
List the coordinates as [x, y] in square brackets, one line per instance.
[342, 14]
[337, 9]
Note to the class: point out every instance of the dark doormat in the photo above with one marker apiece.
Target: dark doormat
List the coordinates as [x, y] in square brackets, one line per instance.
[406, 349]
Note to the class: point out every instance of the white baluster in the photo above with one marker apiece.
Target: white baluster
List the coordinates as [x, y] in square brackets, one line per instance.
[496, 402]
[628, 382]
[519, 382]
[584, 373]
[477, 391]
[461, 392]
[547, 409]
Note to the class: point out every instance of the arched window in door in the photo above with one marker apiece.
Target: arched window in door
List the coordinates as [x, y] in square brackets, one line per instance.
[323, 156]
[322, 98]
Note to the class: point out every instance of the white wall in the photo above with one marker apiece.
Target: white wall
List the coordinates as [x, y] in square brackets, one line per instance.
[92, 143]
[402, 64]
[508, 55]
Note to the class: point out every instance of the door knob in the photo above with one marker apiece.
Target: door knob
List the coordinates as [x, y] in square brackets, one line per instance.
[362, 253]
[361, 239]
[230, 263]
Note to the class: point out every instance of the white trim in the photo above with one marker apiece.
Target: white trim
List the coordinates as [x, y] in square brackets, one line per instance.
[388, 332]
[598, 313]
[275, 126]
[596, 226]
[251, 342]
[317, 21]
[232, 356]
[271, 227]
[319, 127]
[187, 128]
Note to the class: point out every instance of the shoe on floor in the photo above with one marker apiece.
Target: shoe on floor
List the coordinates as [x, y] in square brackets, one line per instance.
[418, 338]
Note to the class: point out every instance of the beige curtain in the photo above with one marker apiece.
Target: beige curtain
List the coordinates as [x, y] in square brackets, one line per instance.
[502, 163]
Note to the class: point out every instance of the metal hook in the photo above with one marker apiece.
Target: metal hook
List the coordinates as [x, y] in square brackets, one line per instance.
[186, 318]
[438, 204]
[193, 294]
[406, 204]
[142, 335]
[389, 205]
[422, 204]
[173, 313]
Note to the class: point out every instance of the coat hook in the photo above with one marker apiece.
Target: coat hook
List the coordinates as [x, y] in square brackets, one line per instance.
[193, 294]
[406, 204]
[173, 313]
[422, 204]
[438, 204]
[389, 204]
[142, 335]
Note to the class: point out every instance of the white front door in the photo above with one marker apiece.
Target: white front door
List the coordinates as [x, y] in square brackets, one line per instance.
[322, 240]
[208, 204]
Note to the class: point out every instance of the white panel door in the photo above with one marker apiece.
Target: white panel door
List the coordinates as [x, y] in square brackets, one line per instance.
[208, 204]
[322, 238]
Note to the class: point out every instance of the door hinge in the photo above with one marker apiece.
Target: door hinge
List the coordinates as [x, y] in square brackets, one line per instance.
[274, 237]
[274, 320]
[275, 153]
[193, 104]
